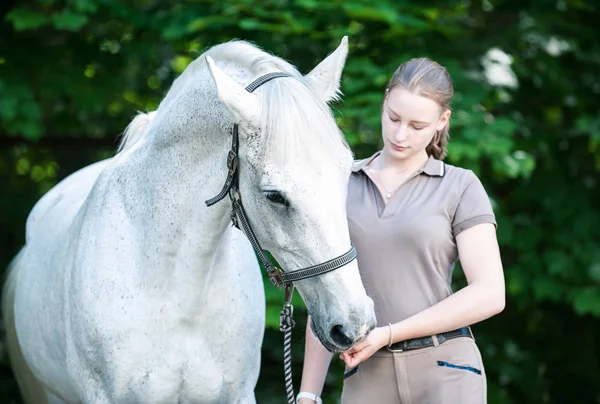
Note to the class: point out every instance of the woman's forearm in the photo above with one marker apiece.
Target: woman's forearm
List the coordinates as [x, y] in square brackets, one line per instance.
[316, 364]
[472, 304]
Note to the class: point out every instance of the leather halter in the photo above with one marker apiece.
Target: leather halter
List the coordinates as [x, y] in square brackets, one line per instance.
[238, 215]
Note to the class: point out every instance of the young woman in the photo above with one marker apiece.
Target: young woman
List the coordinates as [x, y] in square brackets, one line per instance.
[411, 217]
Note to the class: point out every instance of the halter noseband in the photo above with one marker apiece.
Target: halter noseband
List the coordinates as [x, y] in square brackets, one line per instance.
[238, 215]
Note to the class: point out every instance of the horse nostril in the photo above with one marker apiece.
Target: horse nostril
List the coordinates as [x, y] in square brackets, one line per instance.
[339, 336]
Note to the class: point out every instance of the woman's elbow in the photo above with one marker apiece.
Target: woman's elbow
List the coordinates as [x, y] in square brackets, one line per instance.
[496, 301]
[492, 298]
[499, 304]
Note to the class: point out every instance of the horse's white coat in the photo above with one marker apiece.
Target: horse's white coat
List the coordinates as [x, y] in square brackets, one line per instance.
[130, 290]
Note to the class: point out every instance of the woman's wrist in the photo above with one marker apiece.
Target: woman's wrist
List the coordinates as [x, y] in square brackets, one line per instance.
[383, 336]
[307, 398]
[395, 332]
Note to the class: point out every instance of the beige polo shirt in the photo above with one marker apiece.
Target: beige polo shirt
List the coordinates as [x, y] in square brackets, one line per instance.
[407, 249]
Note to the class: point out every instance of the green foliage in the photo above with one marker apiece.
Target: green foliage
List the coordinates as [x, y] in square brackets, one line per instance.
[74, 72]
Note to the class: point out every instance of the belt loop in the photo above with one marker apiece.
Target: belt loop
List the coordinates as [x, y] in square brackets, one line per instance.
[435, 340]
[471, 332]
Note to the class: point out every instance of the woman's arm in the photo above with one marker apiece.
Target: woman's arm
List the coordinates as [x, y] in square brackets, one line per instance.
[316, 364]
[483, 297]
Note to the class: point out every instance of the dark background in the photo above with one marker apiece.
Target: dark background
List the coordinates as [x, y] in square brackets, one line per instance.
[526, 119]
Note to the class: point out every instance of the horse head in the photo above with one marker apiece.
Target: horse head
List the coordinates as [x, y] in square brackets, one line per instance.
[294, 166]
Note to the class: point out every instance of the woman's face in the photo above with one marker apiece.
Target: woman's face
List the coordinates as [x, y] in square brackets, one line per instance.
[409, 122]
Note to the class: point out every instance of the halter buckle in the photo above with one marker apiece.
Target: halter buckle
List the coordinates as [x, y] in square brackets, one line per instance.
[232, 161]
[276, 277]
[234, 195]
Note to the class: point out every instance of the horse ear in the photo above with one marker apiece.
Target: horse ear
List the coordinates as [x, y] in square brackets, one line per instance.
[242, 104]
[326, 75]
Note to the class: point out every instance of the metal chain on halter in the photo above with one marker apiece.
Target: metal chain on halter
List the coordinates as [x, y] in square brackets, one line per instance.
[286, 323]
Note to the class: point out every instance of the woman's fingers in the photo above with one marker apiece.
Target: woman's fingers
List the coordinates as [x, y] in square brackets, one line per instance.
[353, 359]
[356, 359]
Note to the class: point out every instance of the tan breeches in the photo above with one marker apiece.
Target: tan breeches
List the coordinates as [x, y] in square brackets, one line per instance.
[450, 373]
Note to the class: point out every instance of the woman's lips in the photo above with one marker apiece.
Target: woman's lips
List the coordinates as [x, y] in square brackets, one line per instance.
[398, 148]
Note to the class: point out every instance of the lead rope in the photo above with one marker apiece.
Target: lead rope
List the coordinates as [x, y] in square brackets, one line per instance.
[286, 323]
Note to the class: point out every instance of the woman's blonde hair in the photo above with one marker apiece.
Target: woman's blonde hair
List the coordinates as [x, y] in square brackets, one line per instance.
[429, 79]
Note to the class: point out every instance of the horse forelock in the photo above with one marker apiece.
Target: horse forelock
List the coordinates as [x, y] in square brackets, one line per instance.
[297, 123]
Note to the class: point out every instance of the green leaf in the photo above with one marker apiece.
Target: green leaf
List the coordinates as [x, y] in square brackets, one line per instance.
[24, 19]
[248, 24]
[68, 20]
[362, 12]
[546, 288]
[209, 22]
[587, 301]
[595, 272]
[179, 63]
[84, 6]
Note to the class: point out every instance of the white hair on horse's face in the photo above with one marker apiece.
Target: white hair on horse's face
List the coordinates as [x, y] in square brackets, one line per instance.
[296, 124]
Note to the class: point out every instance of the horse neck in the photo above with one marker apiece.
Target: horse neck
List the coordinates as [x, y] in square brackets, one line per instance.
[182, 166]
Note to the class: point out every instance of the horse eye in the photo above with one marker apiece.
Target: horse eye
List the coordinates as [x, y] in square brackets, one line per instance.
[276, 197]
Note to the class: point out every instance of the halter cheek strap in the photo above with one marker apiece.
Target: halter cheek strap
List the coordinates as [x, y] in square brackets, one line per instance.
[232, 156]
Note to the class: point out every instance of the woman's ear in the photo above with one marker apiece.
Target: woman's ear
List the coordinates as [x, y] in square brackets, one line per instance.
[444, 119]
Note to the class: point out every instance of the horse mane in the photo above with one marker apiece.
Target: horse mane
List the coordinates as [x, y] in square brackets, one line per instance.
[135, 130]
[287, 102]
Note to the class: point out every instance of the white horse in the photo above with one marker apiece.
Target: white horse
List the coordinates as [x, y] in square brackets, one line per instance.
[129, 289]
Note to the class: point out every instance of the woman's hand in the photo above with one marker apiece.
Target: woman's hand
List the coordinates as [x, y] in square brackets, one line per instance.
[377, 339]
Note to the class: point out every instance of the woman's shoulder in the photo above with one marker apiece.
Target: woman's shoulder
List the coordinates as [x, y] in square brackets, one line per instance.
[469, 189]
[459, 175]
[472, 202]
[357, 173]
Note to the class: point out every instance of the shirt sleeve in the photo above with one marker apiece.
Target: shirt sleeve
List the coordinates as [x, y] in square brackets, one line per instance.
[474, 207]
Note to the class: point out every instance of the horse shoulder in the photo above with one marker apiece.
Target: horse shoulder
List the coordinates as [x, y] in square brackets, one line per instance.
[64, 199]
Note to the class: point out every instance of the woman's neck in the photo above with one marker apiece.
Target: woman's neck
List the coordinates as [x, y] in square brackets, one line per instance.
[384, 162]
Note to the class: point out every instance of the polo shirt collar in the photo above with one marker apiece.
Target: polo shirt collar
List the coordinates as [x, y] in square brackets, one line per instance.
[433, 167]
[360, 164]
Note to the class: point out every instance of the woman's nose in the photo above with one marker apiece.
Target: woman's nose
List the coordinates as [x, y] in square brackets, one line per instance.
[400, 134]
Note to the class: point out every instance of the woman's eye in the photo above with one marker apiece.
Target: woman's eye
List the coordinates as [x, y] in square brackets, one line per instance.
[277, 198]
[418, 127]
